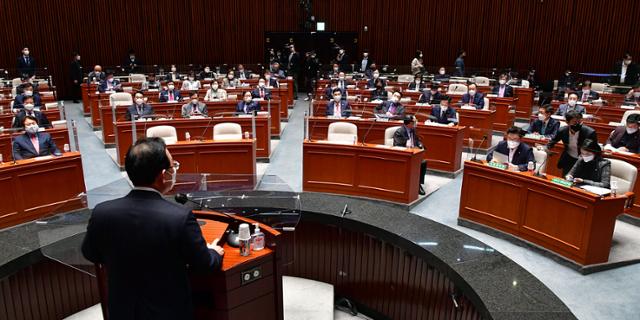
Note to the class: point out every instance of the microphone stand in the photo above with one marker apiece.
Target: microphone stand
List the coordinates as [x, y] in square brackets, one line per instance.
[475, 155]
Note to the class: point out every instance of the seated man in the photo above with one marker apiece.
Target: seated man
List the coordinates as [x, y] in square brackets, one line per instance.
[28, 92]
[626, 138]
[33, 143]
[591, 169]
[96, 76]
[441, 75]
[406, 136]
[194, 107]
[443, 113]
[473, 97]
[173, 74]
[503, 89]
[572, 104]
[379, 93]
[191, 83]
[29, 110]
[545, 125]
[338, 107]
[417, 84]
[431, 96]
[109, 84]
[151, 84]
[328, 93]
[242, 74]
[247, 105]
[392, 108]
[587, 95]
[572, 136]
[139, 108]
[519, 154]
[276, 72]
[170, 94]
[334, 72]
[271, 80]
[342, 81]
[633, 96]
[261, 92]
[215, 93]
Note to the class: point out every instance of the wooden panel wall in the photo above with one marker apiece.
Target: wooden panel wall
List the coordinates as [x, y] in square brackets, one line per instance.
[587, 35]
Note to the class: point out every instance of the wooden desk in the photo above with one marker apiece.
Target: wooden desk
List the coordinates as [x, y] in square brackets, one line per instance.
[605, 114]
[59, 136]
[443, 144]
[479, 124]
[33, 188]
[371, 171]
[6, 117]
[570, 222]
[195, 127]
[524, 102]
[505, 112]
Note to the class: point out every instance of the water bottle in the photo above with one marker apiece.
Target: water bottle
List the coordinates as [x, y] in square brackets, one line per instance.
[1, 159]
[66, 147]
[246, 135]
[187, 136]
[614, 188]
[530, 167]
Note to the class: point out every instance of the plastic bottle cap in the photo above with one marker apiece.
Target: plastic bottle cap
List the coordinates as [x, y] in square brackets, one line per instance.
[257, 228]
[243, 232]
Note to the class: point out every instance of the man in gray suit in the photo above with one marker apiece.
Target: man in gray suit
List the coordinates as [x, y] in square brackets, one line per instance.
[194, 107]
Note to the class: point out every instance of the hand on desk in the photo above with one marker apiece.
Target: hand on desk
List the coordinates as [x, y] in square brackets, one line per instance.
[215, 247]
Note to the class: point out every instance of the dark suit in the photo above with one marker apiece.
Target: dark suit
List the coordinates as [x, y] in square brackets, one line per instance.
[441, 77]
[146, 243]
[388, 106]
[620, 138]
[367, 64]
[550, 130]
[43, 122]
[592, 95]
[18, 102]
[508, 90]
[345, 108]
[371, 83]
[256, 93]
[242, 74]
[631, 77]
[131, 65]
[412, 86]
[400, 138]
[478, 100]
[273, 82]
[103, 87]
[521, 157]
[164, 95]
[449, 116]
[171, 75]
[379, 95]
[563, 108]
[75, 69]
[133, 110]
[93, 77]
[426, 96]
[26, 65]
[244, 107]
[23, 148]
[566, 161]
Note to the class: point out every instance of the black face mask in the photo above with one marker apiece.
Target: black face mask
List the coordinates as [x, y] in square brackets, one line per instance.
[576, 127]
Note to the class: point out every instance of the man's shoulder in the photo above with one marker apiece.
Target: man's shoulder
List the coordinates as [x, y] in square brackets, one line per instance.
[157, 204]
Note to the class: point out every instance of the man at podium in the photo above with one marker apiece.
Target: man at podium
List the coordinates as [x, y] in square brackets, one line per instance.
[146, 242]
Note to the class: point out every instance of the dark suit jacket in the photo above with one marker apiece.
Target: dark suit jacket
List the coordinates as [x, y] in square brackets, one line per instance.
[164, 95]
[133, 110]
[426, 96]
[26, 67]
[632, 142]
[43, 122]
[592, 95]
[256, 93]
[345, 108]
[103, 85]
[371, 83]
[478, 99]
[549, 132]
[412, 86]
[563, 135]
[18, 102]
[379, 95]
[441, 77]
[146, 243]
[563, 108]
[273, 82]
[251, 106]
[246, 74]
[386, 106]
[401, 136]
[76, 71]
[170, 75]
[23, 148]
[92, 77]
[521, 157]
[448, 117]
[632, 74]
[508, 90]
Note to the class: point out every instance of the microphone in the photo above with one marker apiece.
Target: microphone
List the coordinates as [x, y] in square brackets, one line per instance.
[475, 155]
[203, 137]
[230, 237]
[345, 211]
[364, 138]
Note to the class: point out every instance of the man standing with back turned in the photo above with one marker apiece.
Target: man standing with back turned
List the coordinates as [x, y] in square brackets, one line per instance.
[146, 242]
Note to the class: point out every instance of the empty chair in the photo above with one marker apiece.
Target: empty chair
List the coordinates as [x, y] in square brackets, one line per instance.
[482, 81]
[136, 77]
[625, 115]
[51, 106]
[227, 131]
[388, 135]
[624, 174]
[541, 163]
[457, 88]
[342, 132]
[525, 83]
[16, 82]
[405, 78]
[167, 133]
[59, 124]
[120, 99]
[599, 87]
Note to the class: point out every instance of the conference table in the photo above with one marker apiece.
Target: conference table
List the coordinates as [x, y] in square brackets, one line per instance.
[602, 113]
[364, 170]
[6, 116]
[199, 129]
[443, 144]
[568, 221]
[38, 187]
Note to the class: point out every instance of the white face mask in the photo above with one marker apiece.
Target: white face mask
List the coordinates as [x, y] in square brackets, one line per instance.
[26, 52]
[572, 103]
[375, 74]
[636, 94]
[365, 54]
[214, 87]
[418, 81]
[472, 92]
[587, 156]
[32, 129]
[28, 93]
[169, 184]
[395, 99]
[441, 71]
[170, 87]
[230, 76]
[207, 70]
[139, 100]
[626, 62]
[444, 108]
[502, 81]
[341, 78]
[173, 69]
[247, 99]
[585, 90]
[336, 69]
[29, 106]
[512, 144]
[191, 78]
[629, 130]
[337, 97]
[194, 101]
[261, 84]
[267, 77]
[541, 117]
[421, 55]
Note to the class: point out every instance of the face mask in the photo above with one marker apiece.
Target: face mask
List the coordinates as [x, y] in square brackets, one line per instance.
[173, 69]
[247, 99]
[341, 78]
[472, 92]
[110, 79]
[194, 101]
[626, 62]
[502, 81]
[444, 108]
[26, 52]
[267, 77]
[418, 81]
[28, 93]
[29, 106]
[636, 94]
[441, 71]
[214, 87]
[512, 144]
[230, 76]
[567, 74]
[629, 130]
[191, 78]
[139, 100]
[576, 127]
[375, 75]
[587, 156]
[395, 99]
[32, 129]
[336, 69]
[170, 87]
[585, 90]
[132, 58]
[169, 184]
[421, 55]
[261, 84]
[572, 103]
[341, 51]
[337, 97]
[365, 54]
[541, 117]
[207, 70]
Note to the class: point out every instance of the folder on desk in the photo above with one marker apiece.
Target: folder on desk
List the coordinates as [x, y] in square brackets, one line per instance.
[500, 158]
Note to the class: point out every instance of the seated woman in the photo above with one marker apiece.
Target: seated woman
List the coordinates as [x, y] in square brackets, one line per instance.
[379, 93]
[591, 168]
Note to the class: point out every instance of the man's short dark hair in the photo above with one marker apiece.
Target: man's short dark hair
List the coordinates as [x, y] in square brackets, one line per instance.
[29, 118]
[633, 118]
[336, 90]
[145, 160]
[192, 93]
[547, 108]
[408, 119]
[445, 98]
[27, 98]
[572, 114]
[516, 130]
